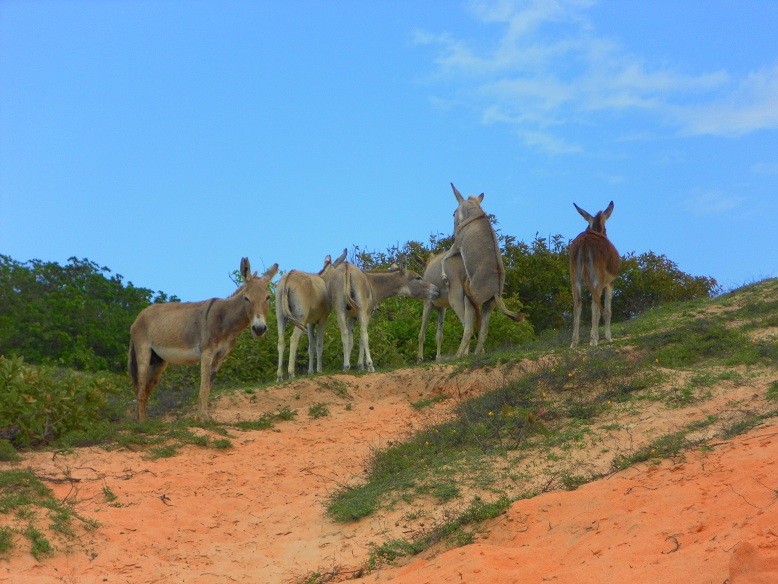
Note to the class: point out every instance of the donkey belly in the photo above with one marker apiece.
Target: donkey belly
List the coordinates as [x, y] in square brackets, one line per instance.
[178, 356]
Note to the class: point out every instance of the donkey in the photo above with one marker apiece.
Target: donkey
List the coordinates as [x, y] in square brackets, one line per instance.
[452, 295]
[595, 262]
[355, 295]
[476, 242]
[303, 300]
[185, 333]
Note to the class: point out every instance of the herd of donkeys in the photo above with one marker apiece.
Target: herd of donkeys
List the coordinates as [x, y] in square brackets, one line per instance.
[469, 278]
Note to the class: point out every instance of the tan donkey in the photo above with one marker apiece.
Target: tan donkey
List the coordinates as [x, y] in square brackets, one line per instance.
[355, 295]
[185, 333]
[476, 242]
[594, 262]
[452, 295]
[303, 300]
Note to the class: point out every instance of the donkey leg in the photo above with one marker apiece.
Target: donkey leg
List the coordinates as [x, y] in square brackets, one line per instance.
[595, 334]
[344, 326]
[320, 327]
[486, 312]
[425, 319]
[607, 312]
[281, 348]
[293, 343]
[577, 306]
[311, 348]
[439, 334]
[364, 344]
[153, 375]
[149, 370]
[467, 333]
[206, 372]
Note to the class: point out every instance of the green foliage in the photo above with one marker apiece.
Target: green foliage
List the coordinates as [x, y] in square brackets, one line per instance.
[650, 280]
[318, 410]
[8, 452]
[22, 497]
[6, 540]
[76, 315]
[537, 274]
[702, 339]
[664, 446]
[40, 404]
[477, 512]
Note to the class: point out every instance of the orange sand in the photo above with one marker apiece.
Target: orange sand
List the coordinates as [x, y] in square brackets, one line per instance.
[256, 512]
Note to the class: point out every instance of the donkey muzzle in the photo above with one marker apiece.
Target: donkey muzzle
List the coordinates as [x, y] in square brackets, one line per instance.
[258, 328]
[434, 292]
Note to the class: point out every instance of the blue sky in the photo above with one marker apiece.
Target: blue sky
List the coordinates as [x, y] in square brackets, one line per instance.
[167, 139]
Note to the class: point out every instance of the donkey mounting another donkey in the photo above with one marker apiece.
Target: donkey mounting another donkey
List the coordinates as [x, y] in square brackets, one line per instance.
[186, 333]
[482, 278]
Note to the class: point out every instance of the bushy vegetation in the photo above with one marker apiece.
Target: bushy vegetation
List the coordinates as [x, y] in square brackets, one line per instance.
[77, 316]
[666, 359]
[38, 404]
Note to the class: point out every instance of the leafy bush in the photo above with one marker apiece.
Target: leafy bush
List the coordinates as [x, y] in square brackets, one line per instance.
[76, 315]
[39, 404]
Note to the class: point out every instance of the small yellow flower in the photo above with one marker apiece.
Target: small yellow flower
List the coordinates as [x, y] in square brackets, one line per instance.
[491, 413]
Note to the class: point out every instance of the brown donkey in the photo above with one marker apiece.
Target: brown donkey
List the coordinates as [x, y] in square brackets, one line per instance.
[594, 262]
[185, 333]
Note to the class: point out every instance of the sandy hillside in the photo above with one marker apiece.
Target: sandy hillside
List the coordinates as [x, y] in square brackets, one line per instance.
[256, 512]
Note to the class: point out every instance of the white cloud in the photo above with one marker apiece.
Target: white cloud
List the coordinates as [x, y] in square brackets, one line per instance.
[765, 168]
[549, 68]
[712, 203]
[752, 105]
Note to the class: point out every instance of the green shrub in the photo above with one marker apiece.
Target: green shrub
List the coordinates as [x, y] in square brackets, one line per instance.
[40, 404]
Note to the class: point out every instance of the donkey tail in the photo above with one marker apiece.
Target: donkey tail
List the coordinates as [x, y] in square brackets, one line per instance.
[350, 300]
[586, 273]
[286, 308]
[473, 301]
[132, 364]
[515, 316]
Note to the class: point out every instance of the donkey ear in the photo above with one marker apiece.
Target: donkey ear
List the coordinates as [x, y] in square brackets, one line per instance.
[584, 214]
[271, 271]
[341, 258]
[459, 197]
[245, 269]
[480, 197]
[608, 210]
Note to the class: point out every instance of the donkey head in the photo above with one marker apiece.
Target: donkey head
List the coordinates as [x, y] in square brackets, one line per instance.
[413, 284]
[469, 208]
[597, 222]
[256, 296]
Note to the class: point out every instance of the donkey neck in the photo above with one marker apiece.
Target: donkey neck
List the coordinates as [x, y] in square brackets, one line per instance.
[469, 220]
[597, 233]
[229, 314]
[384, 284]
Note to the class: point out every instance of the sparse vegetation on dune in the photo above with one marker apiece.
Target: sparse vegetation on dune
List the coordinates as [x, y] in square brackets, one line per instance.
[677, 375]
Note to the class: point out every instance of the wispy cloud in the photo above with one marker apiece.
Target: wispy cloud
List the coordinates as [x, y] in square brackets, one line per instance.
[750, 106]
[712, 203]
[549, 68]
